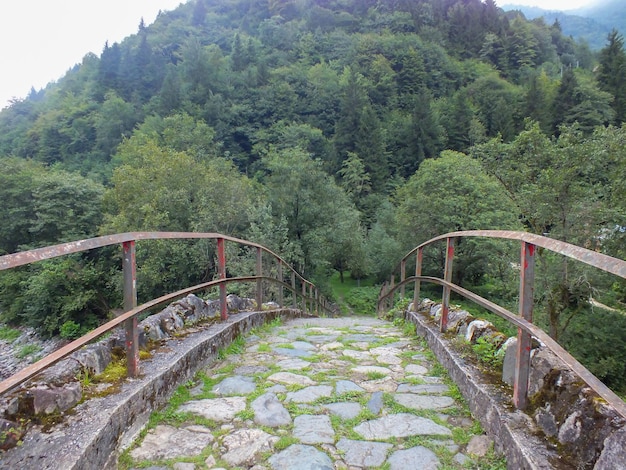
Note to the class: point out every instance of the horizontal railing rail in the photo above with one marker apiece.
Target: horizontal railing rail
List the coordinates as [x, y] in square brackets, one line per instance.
[301, 290]
[523, 320]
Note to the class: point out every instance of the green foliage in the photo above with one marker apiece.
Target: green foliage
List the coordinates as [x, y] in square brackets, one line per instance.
[70, 330]
[27, 350]
[9, 334]
[468, 200]
[363, 300]
[486, 350]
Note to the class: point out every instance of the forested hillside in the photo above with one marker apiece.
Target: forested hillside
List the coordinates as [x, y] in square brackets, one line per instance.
[339, 133]
[591, 23]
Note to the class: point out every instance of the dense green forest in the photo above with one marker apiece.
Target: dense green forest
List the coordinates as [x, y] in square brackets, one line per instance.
[339, 133]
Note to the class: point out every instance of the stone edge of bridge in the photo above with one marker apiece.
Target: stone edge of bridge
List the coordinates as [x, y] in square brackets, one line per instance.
[102, 428]
[510, 429]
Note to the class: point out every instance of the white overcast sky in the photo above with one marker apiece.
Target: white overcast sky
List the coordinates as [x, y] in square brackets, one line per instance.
[41, 39]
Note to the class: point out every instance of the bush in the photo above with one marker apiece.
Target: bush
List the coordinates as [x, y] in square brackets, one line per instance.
[70, 330]
[363, 300]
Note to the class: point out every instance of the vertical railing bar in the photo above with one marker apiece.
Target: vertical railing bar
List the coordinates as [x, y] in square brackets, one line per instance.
[418, 272]
[402, 277]
[294, 292]
[392, 283]
[524, 339]
[259, 282]
[303, 296]
[280, 286]
[445, 301]
[129, 268]
[221, 274]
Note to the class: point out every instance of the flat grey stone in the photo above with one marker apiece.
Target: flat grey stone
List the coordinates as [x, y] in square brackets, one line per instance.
[344, 410]
[168, 442]
[312, 429]
[358, 355]
[301, 457]
[184, 466]
[236, 385]
[408, 458]
[290, 378]
[217, 409]
[344, 386]
[400, 425]
[303, 345]
[293, 364]
[278, 388]
[363, 338]
[462, 459]
[371, 369]
[291, 352]
[386, 351]
[269, 411]
[388, 359]
[423, 388]
[251, 370]
[322, 339]
[365, 454]
[416, 369]
[479, 446]
[309, 394]
[375, 403]
[423, 402]
[244, 445]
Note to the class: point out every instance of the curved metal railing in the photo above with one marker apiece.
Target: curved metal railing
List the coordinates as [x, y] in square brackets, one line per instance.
[523, 320]
[300, 288]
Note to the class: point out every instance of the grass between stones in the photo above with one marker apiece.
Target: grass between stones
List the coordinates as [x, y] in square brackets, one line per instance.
[344, 428]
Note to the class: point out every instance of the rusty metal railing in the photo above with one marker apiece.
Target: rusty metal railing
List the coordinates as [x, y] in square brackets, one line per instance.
[523, 320]
[309, 296]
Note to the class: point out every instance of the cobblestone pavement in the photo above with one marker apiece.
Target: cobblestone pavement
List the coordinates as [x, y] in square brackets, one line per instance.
[317, 394]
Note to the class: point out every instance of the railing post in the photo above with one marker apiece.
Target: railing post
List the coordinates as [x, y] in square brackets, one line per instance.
[402, 277]
[524, 340]
[221, 274]
[294, 292]
[280, 286]
[129, 268]
[382, 303]
[445, 301]
[259, 282]
[303, 296]
[392, 283]
[418, 272]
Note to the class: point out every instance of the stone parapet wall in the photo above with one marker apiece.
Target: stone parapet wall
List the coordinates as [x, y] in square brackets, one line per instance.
[98, 429]
[567, 425]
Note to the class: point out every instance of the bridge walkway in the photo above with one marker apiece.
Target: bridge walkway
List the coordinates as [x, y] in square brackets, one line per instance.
[317, 393]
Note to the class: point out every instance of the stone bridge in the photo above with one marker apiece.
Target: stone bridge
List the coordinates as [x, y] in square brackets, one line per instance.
[279, 388]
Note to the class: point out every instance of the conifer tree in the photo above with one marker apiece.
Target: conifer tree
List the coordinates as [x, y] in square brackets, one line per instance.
[611, 73]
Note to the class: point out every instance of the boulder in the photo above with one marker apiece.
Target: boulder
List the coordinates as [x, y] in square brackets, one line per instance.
[46, 400]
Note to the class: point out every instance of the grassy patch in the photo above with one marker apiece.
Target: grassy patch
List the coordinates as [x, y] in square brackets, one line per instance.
[9, 334]
[374, 375]
[245, 414]
[27, 350]
[264, 347]
[284, 442]
[236, 347]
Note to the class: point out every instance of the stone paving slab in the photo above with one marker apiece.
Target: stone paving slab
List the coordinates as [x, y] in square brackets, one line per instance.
[316, 394]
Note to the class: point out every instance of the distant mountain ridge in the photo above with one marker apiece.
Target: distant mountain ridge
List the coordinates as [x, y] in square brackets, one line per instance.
[591, 23]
